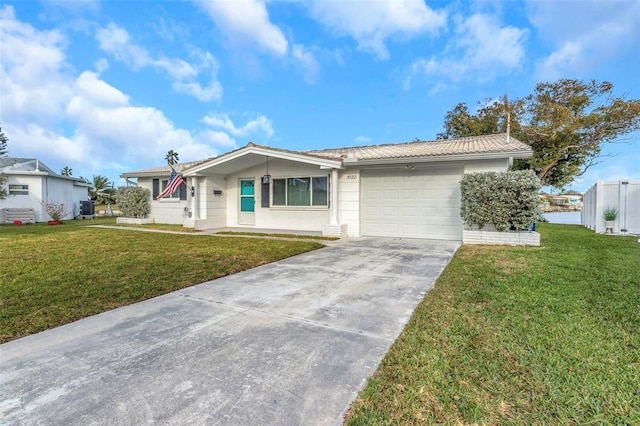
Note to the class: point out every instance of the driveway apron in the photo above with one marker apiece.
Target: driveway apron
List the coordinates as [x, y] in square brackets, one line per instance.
[287, 343]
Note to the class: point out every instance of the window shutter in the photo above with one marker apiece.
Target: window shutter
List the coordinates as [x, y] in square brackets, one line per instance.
[265, 195]
[183, 191]
[156, 188]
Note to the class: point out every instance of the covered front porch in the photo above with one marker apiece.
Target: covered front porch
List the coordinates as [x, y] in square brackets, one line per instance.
[259, 188]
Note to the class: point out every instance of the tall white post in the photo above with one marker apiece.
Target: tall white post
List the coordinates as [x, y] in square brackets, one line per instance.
[195, 214]
[334, 197]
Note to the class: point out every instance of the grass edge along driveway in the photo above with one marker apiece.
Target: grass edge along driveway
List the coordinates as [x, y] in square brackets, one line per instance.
[53, 275]
[519, 335]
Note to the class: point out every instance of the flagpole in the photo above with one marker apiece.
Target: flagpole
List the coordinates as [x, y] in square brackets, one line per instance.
[506, 107]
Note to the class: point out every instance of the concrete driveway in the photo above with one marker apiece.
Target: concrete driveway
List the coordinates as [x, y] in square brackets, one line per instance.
[288, 343]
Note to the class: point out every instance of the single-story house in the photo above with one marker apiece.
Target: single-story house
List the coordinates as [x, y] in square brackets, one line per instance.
[31, 183]
[398, 190]
[567, 200]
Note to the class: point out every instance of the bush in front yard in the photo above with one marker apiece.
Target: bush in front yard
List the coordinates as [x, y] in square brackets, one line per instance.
[506, 199]
[133, 201]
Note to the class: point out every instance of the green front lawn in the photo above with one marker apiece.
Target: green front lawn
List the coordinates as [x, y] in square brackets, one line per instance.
[547, 335]
[52, 275]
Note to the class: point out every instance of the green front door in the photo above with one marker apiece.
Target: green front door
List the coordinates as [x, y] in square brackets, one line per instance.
[247, 202]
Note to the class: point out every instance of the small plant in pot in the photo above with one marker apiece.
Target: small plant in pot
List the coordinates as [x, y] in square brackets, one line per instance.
[56, 211]
[610, 215]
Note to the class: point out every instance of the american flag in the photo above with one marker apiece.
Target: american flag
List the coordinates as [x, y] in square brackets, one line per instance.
[173, 184]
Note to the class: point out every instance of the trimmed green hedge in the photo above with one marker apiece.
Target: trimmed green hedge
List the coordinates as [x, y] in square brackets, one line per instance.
[507, 200]
[133, 201]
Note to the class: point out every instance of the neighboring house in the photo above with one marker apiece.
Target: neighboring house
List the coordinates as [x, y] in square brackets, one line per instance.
[623, 195]
[567, 200]
[407, 190]
[31, 183]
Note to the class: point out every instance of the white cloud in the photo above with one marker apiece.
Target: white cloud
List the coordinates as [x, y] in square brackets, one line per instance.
[79, 120]
[585, 34]
[362, 139]
[260, 126]
[371, 23]
[307, 62]
[247, 22]
[207, 93]
[567, 57]
[33, 88]
[101, 65]
[106, 123]
[218, 138]
[116, 41]
[481, 49]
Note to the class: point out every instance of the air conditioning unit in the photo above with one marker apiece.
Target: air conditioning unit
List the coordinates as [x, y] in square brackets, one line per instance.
[87, 208]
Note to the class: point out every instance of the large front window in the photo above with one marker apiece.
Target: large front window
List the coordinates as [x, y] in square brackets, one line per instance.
[300, 191]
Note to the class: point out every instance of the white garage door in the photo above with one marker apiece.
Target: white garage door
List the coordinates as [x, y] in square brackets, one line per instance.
[419, 203]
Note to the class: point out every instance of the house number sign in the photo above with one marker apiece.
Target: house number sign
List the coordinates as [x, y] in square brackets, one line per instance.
[350, 177]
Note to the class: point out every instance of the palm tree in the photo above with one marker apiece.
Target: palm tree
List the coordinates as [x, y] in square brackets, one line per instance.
[171, 157]
[66, 171]
[3, 143]
[101, 190]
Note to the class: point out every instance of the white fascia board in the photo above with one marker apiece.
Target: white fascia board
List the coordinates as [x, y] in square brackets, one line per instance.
[437, 158]
[144, 175]
[299, 158]
[26, 173]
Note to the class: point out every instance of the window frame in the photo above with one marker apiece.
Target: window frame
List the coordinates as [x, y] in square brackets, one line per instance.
[24, 190]
[312, 199]
[163, 186]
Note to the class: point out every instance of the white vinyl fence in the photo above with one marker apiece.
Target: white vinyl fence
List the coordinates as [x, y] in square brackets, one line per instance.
[624, 195]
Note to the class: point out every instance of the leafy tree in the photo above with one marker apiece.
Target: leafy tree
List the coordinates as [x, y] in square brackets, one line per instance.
[3, 151]
[101, 190]
[66, 171]
[171, 157]
[566, 123]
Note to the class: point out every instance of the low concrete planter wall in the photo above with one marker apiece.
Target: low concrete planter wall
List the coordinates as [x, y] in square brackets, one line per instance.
[508, 238]
[133, 220]
[339, 231]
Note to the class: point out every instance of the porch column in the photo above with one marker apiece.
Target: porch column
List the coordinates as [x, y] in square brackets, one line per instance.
[195, 214]
[334, 197]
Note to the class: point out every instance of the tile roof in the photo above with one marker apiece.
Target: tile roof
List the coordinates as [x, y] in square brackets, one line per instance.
[469, 145]
[166, 169]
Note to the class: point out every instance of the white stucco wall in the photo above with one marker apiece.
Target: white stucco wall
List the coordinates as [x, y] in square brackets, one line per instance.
[286, 218]
[205, 210]
[29, 201]
[349, 200]
[170, 210]
[209, 206]
[481, 166]
[43, 188]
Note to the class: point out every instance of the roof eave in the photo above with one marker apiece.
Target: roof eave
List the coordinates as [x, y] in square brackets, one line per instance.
[437, 158]
[143, 174]
[300, 158]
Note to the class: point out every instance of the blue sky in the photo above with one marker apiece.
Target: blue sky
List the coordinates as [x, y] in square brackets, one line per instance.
[106, 87]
